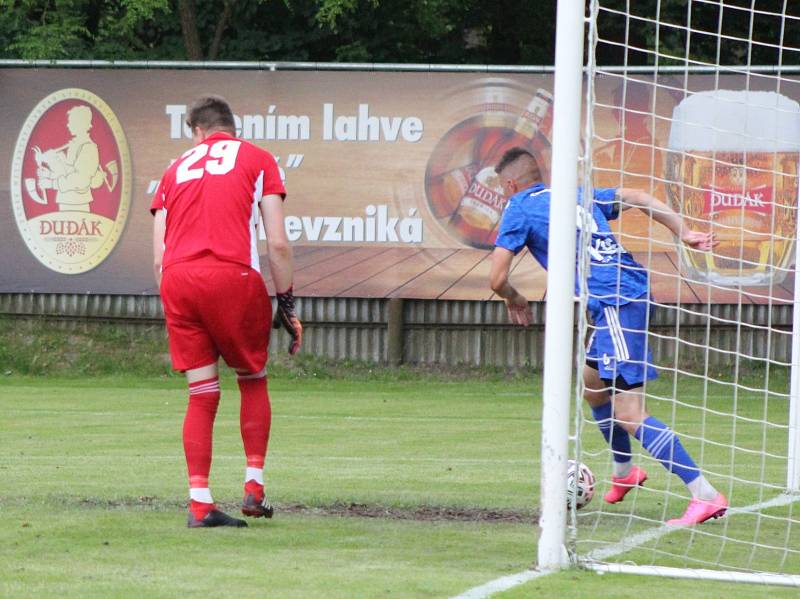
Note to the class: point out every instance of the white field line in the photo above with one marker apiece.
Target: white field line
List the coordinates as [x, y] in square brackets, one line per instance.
[786, 580]
[507, 582]
[501, 584]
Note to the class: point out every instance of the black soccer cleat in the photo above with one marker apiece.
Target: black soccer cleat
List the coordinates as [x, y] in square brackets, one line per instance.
[256, 509]
[215, 518]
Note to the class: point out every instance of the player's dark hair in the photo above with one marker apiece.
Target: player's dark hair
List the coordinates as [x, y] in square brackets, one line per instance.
[510, 157]
[210, 113]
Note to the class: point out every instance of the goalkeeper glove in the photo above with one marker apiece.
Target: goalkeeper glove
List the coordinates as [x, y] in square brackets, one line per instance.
[286, 317]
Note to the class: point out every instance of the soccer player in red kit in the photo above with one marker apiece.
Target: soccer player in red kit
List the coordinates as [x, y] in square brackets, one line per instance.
[216, 304]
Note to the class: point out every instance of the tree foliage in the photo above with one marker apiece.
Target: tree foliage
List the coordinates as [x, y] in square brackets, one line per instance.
[449, 31]
[513, 32]
[730, 32]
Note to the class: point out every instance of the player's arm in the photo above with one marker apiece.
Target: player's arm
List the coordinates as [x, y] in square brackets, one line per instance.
[662, 213]
[519, 312]
[280, 252]
[281, 264]
[159, 230]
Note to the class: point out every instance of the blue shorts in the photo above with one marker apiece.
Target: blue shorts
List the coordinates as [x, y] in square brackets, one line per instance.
[618, 345]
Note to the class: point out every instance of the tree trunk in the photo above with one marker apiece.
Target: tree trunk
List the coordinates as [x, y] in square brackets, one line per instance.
[221, 25]
[191, 37]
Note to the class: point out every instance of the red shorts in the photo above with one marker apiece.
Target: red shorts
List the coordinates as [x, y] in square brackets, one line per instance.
[215, 308]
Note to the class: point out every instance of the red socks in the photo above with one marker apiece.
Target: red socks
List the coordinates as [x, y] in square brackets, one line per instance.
[255, 416]
[198, 426]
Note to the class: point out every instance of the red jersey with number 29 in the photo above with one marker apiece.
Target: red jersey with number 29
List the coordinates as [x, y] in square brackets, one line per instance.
[211, 195]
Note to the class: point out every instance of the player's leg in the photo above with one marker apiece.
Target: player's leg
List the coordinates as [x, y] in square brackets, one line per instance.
[632, 367]
[193, 352]
[596, 393]
[241, 331]
[255, 417]
[626, 475]
[665, 446]
[198, 427]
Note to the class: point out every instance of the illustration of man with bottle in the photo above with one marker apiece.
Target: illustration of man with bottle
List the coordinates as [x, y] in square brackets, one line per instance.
[73, 170]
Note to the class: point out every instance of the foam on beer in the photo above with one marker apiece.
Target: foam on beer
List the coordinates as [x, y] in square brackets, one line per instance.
[744, 121]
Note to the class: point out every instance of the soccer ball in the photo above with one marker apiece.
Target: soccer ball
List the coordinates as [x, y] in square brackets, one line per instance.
[580, 484]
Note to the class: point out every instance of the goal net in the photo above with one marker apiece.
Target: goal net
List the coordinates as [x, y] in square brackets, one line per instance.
[701, 110]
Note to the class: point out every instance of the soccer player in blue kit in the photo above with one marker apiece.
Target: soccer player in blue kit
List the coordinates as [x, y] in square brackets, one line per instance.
[617, 362]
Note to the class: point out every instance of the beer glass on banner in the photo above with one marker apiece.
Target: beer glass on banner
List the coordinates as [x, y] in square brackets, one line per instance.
[732, 169]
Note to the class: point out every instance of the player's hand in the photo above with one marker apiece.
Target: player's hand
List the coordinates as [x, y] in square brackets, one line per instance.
[699, 241]
[286, 317]
[519, 311]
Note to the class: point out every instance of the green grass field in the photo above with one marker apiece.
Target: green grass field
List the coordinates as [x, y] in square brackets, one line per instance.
[385, 486]
[752, 473]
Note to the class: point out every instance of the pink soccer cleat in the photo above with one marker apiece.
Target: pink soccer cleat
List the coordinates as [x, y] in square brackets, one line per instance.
[699, 511]
[621, 485]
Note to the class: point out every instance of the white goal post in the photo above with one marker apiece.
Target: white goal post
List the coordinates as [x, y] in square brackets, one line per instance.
[559, 315]
[716, 136]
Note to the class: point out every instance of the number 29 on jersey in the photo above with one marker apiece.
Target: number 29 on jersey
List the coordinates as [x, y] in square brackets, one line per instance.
[220, 158]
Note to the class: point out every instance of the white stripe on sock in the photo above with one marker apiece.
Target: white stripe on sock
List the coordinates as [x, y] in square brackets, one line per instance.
[208, 388]
[660, 442]
[214, 383]
[622, 469]
[700, 488]
[256, 375]
[201, 494]
[256, 474]
[659, 439]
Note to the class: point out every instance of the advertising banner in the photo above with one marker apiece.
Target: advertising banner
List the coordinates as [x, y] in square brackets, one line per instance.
[390, 180]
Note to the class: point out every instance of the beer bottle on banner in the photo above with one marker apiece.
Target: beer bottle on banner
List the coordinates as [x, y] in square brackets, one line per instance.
[481, 206]
[449, 172]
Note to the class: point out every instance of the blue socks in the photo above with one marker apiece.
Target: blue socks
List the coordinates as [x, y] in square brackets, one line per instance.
[655, 436]
[662, 443]
[614, 434]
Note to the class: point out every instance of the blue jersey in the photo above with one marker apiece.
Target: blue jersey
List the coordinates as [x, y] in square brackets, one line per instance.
[614, 276]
